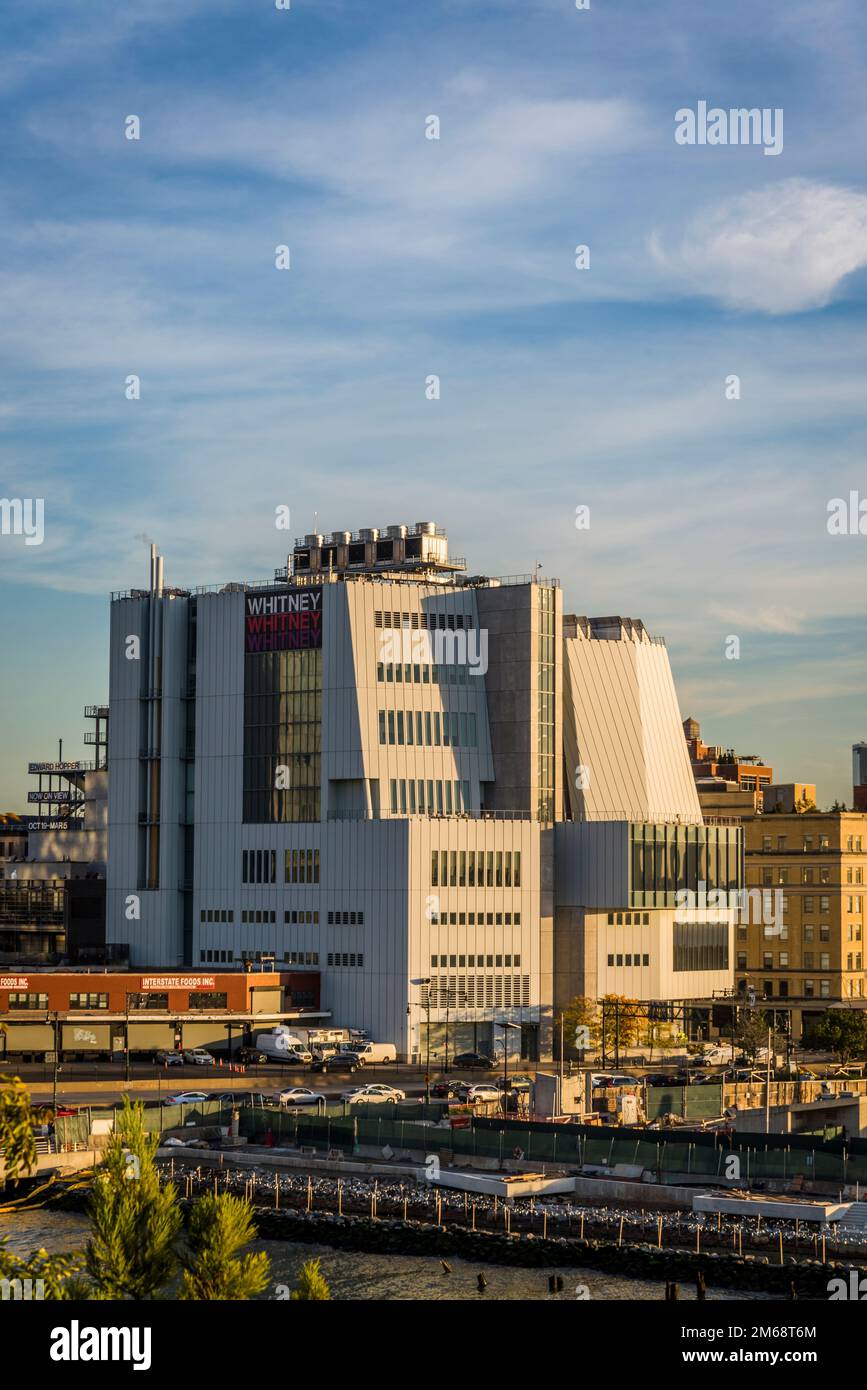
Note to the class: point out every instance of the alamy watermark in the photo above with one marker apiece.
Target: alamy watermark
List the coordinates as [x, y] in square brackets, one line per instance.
[467, 646]
[23, 516]
[737, 126]
[762, 906]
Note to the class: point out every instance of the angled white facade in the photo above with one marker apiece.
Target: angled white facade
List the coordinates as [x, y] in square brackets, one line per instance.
[623, 735]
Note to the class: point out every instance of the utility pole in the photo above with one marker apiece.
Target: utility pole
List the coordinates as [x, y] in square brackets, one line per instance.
[768, 1089]
[562, 1044]
[54, 1089]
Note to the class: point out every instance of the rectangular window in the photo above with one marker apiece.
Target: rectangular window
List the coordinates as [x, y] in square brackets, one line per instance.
[88, 1001]
[382, 726]
[29, 1001]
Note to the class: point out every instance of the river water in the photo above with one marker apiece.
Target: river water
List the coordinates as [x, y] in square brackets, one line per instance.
[353, 1275]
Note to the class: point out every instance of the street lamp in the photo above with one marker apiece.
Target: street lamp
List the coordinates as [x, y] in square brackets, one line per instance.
[504, 1025]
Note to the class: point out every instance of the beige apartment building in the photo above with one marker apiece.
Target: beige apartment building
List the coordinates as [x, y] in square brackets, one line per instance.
[812, 956]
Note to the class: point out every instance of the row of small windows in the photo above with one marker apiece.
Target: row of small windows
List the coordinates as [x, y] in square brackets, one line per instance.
[853, 960]
[428, 728]
[778, 875]
[479, 992]
[475, 919]
[346, 919]
[345, 958]
[408, 798]
[475, 868]
[260, 866]
[809, 989]
[420, 673]
[810, 842]
[460, 962]
[263, 915]
[628, 919]
[414, 621]
[628, 959]
[220, 957]
[302, 866]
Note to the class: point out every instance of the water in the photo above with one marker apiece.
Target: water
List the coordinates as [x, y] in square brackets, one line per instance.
[353, 1275]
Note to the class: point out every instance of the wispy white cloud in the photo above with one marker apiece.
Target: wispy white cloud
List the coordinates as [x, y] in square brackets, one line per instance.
[782, 249]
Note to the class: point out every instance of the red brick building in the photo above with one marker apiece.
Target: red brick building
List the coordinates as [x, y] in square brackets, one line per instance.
[93, 1012]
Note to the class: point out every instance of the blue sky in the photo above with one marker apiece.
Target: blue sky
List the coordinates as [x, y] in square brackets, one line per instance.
[559, 387]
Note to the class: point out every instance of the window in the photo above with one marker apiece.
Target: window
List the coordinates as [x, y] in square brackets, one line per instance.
[301, 866]
[259, 866]
[88, 1001]
[208, 999]
[28, 1001]
[147, 1001]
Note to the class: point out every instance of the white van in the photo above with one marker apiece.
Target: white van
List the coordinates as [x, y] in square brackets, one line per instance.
[375, 1052]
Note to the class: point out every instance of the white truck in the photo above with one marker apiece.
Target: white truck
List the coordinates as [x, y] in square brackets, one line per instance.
[280, 1045]
[373, 1052]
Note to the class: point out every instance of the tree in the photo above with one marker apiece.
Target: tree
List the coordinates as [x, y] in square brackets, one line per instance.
[842, 1032]
[624, 1019]
[581, 1012]
[751, 1033]
[17, 1142]
[134, 1220]
[53, 1272]
[219, 1227]
[312, 1284]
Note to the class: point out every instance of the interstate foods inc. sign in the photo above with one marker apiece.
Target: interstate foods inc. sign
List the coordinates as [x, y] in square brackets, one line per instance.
[283, 620]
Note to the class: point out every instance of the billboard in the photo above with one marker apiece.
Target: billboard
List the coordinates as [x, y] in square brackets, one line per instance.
[283, 620]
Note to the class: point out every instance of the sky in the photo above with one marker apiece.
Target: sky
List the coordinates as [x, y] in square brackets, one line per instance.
[606, 387]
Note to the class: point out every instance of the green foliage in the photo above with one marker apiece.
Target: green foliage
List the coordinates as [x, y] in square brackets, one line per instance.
[16, 1128]
[751, 1032]
[220, 1227]
[312, 1284]
[842, 1032]
[134, 1220]
[52, 1271]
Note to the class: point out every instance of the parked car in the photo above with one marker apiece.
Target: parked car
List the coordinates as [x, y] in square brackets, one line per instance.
[614, 1078]
[341, 1061]
[448, 1090]
[164, 1058]
[373, 1094]
[188, 1098]
[518, 1082]
[474, 1059]
[482, 1092]
[300, 1095]
[659, 1078]
[199, 1057]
